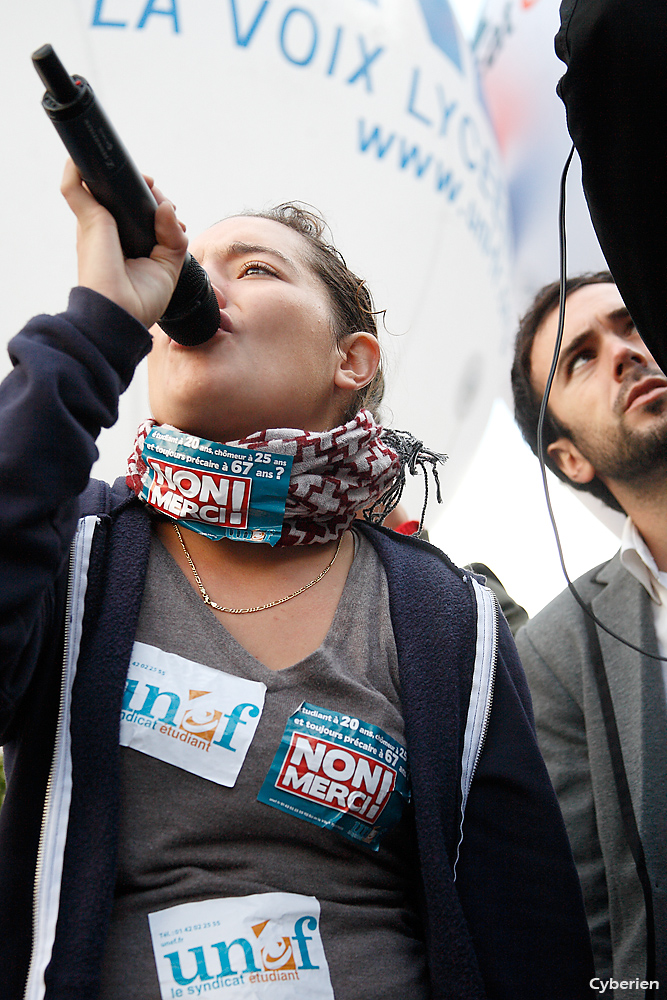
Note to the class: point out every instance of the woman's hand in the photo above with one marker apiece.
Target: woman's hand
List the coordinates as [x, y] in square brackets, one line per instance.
[143, 287]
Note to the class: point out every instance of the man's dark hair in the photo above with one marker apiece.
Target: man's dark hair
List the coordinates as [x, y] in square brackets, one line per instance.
[351, 300]
[527, 401]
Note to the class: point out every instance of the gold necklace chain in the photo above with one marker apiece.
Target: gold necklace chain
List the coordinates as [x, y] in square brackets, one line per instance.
[260, 607]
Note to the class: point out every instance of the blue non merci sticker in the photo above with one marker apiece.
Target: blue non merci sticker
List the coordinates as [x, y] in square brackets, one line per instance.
[216, 489]
[338, 772]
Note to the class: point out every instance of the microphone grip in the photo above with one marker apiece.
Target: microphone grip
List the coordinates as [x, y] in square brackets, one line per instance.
[192, 316]
[112, 177]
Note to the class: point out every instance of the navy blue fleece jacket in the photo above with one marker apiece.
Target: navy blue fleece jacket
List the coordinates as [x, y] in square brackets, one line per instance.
[511, 927]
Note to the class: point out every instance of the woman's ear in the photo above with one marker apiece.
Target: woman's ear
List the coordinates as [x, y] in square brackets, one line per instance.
[570, 460]
[359, 359]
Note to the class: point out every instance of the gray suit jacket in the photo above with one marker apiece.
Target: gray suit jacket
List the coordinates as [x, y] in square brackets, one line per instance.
[572, 737]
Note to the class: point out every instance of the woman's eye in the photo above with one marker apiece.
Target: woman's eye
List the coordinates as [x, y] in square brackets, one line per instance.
[258, 267]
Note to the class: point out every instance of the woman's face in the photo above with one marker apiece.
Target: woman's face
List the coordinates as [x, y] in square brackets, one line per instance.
[273, 362]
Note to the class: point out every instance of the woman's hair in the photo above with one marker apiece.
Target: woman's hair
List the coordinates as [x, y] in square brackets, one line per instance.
[351, 301]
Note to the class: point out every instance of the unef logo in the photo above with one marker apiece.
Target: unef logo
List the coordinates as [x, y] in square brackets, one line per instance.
[266, 956]
[323, 772]
[277, 952]
[211, 498]
[196, 723]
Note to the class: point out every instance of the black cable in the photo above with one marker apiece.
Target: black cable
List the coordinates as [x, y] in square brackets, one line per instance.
[597, 660]
[628, 818]
[543, 409]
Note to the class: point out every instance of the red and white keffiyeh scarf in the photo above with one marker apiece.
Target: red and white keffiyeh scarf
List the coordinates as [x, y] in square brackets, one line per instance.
[334, 473]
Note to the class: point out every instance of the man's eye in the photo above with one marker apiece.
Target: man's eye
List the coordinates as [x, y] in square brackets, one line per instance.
[257, 267]
[579, 360]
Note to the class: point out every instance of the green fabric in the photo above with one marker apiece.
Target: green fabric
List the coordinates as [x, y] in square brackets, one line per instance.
[516, 615]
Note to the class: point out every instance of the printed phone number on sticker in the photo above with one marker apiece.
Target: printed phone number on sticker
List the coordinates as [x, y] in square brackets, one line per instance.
[147, 666]
[189, 929]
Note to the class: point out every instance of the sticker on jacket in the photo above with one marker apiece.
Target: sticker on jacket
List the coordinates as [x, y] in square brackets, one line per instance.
[338, 772]
[189, 715]
[265, 945]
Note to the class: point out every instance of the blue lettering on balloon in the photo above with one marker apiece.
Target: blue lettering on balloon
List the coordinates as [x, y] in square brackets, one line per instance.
[152, 9]
[307, 58]
[489, 180]
[483, 235]
[444, 182]
[446, 110]
[405, 157]
[243, 40]
[412, 110]
[441, 26]
[363, 70]
[468, 136]
[334, 51]
[490, 38]
[374, 139]
[97, 21]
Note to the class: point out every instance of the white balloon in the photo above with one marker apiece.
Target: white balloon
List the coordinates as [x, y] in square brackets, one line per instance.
[519, 69]
[367, 109]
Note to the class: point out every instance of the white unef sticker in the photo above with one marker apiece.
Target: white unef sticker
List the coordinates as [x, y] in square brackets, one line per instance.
[249, 947]
[189, 715]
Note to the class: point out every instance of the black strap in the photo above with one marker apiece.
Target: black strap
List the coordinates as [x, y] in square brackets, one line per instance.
[623, 790]
[615, 92]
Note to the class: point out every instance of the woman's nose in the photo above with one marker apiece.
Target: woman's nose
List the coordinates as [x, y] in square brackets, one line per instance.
[219, 294]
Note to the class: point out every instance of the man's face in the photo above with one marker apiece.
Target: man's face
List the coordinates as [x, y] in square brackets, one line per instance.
[608, 390]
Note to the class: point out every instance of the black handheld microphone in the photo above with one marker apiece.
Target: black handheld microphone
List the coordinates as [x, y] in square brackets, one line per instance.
[193, 315]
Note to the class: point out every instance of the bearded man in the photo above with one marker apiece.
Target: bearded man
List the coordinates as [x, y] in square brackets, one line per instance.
[600, 704]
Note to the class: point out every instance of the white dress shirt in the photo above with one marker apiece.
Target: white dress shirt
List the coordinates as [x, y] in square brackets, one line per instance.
[637, 559]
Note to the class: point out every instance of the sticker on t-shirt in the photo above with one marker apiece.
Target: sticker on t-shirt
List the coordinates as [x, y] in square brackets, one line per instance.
[338, 772]
[218, 490]
[249, 947]
[189, 715]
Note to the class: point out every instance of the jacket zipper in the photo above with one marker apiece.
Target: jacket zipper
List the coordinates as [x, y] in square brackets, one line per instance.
[486, 691]
[492, 684]
[76, 585]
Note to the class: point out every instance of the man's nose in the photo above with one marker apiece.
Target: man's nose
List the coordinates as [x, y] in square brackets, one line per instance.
[628, 354]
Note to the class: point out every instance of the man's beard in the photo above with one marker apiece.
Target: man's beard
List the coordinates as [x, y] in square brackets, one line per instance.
[629, 456]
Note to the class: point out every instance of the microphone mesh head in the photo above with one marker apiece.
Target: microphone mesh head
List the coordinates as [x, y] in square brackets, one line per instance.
[193, 314]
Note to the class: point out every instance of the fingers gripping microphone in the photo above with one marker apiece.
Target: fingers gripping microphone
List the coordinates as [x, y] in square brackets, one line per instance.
[193, 314]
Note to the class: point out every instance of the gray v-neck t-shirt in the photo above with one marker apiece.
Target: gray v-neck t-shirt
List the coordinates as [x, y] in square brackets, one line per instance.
[184, 838]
